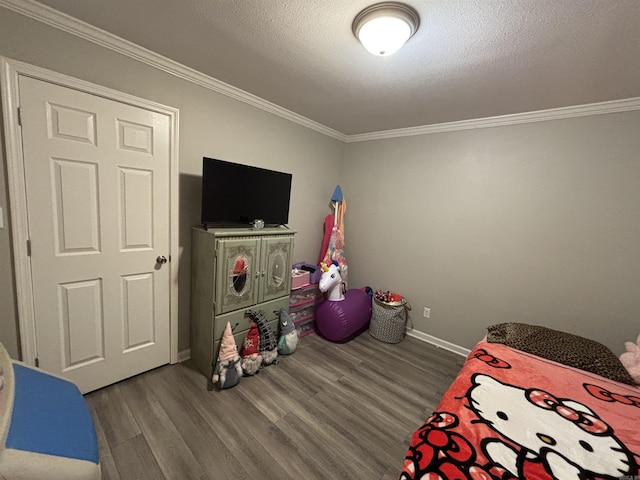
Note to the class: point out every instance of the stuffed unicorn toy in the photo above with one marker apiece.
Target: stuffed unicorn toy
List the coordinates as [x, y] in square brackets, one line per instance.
[631, 359]
[331, 281]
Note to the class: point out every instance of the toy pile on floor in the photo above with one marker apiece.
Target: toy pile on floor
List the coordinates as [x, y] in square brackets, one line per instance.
[260, 348]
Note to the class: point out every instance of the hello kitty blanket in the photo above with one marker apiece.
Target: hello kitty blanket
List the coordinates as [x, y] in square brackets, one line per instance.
[509, 415]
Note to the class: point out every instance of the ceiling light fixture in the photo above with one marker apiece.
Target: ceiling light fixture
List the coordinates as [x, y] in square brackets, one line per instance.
[385, 27]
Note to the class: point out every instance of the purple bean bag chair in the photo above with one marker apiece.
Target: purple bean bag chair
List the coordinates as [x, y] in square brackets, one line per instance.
[342, 320]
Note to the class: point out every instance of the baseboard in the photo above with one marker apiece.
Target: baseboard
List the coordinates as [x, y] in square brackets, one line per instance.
[438, 342]
[184, 355]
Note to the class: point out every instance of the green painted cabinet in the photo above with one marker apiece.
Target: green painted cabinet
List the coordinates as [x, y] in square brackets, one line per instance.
[234, 270]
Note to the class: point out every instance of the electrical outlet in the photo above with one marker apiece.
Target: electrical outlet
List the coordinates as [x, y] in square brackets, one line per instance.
[427, 312]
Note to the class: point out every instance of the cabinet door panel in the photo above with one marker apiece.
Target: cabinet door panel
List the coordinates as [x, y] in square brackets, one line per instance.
[276, 268]
[237, 273]
[240, 320]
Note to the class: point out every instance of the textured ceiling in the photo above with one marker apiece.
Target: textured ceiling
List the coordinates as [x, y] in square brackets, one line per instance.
[469, 59]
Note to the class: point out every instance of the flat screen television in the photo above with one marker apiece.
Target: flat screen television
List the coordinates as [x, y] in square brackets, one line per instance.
[235, 194]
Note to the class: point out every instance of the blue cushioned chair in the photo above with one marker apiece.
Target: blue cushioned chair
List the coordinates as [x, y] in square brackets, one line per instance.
[46, 429]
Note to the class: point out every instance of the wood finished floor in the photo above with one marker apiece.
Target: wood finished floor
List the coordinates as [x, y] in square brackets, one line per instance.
[329, 411]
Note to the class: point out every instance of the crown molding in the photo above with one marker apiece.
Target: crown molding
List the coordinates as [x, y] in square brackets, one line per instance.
[66, 23]
[601, 108]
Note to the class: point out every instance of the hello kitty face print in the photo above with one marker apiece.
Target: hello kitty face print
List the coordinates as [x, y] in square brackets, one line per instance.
[570, 440]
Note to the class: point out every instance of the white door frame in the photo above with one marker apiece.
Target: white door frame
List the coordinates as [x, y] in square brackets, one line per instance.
[10, 71]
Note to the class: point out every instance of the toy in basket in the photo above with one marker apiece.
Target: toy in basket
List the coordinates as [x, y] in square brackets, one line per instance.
[389, 317]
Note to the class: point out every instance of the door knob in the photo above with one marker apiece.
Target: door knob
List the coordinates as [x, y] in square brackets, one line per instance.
[161, 259]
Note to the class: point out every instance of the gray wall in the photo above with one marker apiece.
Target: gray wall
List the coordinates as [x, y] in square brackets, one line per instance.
[538, 223]
[210, 125]
[535, 223]
[8, 315]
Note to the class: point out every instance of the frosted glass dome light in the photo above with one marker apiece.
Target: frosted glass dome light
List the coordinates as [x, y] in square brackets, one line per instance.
[385, 27]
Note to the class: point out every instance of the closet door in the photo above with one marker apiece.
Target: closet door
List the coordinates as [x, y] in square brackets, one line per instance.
[97, 186]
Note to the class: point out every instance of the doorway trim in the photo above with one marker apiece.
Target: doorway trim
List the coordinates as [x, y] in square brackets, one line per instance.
[10, 72]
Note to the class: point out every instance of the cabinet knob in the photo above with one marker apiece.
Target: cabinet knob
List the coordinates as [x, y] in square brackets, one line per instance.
[161, 259]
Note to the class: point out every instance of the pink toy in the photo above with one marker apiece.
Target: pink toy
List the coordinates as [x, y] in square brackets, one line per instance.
[332, 249]
[631, 359]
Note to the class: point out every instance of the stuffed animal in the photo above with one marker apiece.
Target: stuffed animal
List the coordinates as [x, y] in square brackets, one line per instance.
[631, 359]
[288, 341]
[251, 358]
[268, 339]
[227, 371]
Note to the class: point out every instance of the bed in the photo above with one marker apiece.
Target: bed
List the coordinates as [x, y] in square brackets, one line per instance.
[532, 403]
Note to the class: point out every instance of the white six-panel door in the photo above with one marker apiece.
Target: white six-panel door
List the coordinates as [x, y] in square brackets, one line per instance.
[98, 201]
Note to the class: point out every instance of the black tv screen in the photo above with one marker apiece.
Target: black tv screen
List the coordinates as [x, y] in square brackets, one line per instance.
[239, 194]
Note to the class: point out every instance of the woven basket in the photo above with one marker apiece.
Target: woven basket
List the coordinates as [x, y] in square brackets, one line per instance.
[388, 320]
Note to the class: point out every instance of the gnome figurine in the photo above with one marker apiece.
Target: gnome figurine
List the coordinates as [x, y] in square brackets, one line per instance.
[288, 341]
[251, 358]
[227, 371]
[268, 339]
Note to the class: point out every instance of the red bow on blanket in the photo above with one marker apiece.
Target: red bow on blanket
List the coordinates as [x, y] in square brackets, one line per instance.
[584, 420]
